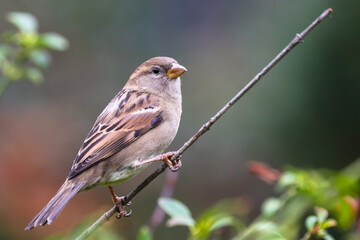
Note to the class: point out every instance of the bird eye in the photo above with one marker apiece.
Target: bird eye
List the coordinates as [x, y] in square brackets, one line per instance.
[155, 70]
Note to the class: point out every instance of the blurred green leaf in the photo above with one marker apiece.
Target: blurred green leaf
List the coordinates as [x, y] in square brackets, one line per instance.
[34, 75]
[346, 184]
[345, 214]
[317, 225]
[177, 210]
[308, 182]
[206, 225]
[287, 179]
[220, 215]
[328, 237]
[40, 58]
[310, 222]
[53, 41]
[271, 206]
[262, 230]
[329, 223]
[11, 71]
[266, 226]
[144, 234]
[180, 221]
[321, 214]
[23, 21]
[28, 40]
[222, 221]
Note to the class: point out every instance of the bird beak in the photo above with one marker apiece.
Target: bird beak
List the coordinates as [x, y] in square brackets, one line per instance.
[176, 71]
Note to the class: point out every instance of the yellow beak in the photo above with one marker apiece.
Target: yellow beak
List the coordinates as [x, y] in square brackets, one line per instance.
[176, 71]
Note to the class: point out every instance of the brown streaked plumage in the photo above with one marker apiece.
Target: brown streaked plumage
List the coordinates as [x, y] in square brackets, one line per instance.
[139, 122]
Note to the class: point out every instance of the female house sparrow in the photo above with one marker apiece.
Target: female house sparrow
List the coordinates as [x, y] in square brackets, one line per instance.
[140, 122]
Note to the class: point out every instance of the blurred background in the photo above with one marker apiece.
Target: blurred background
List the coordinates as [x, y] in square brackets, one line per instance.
[305, 112]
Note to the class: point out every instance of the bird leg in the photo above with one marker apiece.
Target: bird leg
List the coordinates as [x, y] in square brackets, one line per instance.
[174, 165]
[119, 202]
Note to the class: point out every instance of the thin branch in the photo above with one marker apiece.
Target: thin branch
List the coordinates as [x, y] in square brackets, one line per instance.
[299, 38]
[105, 217]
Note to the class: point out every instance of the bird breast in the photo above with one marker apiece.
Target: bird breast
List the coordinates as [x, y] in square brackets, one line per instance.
[125, 164]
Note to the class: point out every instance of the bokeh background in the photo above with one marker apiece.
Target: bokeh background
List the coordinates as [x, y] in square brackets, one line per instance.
[305, 112]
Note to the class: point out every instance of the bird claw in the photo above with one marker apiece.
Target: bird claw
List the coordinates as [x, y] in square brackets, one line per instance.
[174, 165]
[120, 206]
[123, 213]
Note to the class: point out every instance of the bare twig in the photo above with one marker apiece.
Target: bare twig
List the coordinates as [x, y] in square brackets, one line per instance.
[206, 127]
[106, 216]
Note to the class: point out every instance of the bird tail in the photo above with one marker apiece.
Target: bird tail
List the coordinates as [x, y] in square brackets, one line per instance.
[50, 212]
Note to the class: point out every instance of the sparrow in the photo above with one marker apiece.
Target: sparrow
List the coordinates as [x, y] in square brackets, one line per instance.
[138, 124]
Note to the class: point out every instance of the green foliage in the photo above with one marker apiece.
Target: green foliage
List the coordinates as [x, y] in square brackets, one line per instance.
[300, 192]
[317, 225]
[282, 217]
[335, 191]
[202, 228]
[24, 53]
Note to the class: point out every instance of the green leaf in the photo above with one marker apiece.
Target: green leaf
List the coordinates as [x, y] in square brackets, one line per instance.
[180, 221]
[328, 237]
[23, 21]
[40, 58]
[28, 40]
[34, 75]
[345, 214]
[287, 179]
[310, 222]
[144, 234]
[271, 206]
[266, 227]
[177, 210]
[261, 230]
[11, 70]
[329, 223]
[174, 207]
[54, 41]
[222, 221]
[321, 214]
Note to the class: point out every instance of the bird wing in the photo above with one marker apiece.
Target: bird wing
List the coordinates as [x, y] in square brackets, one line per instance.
[127, 117]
